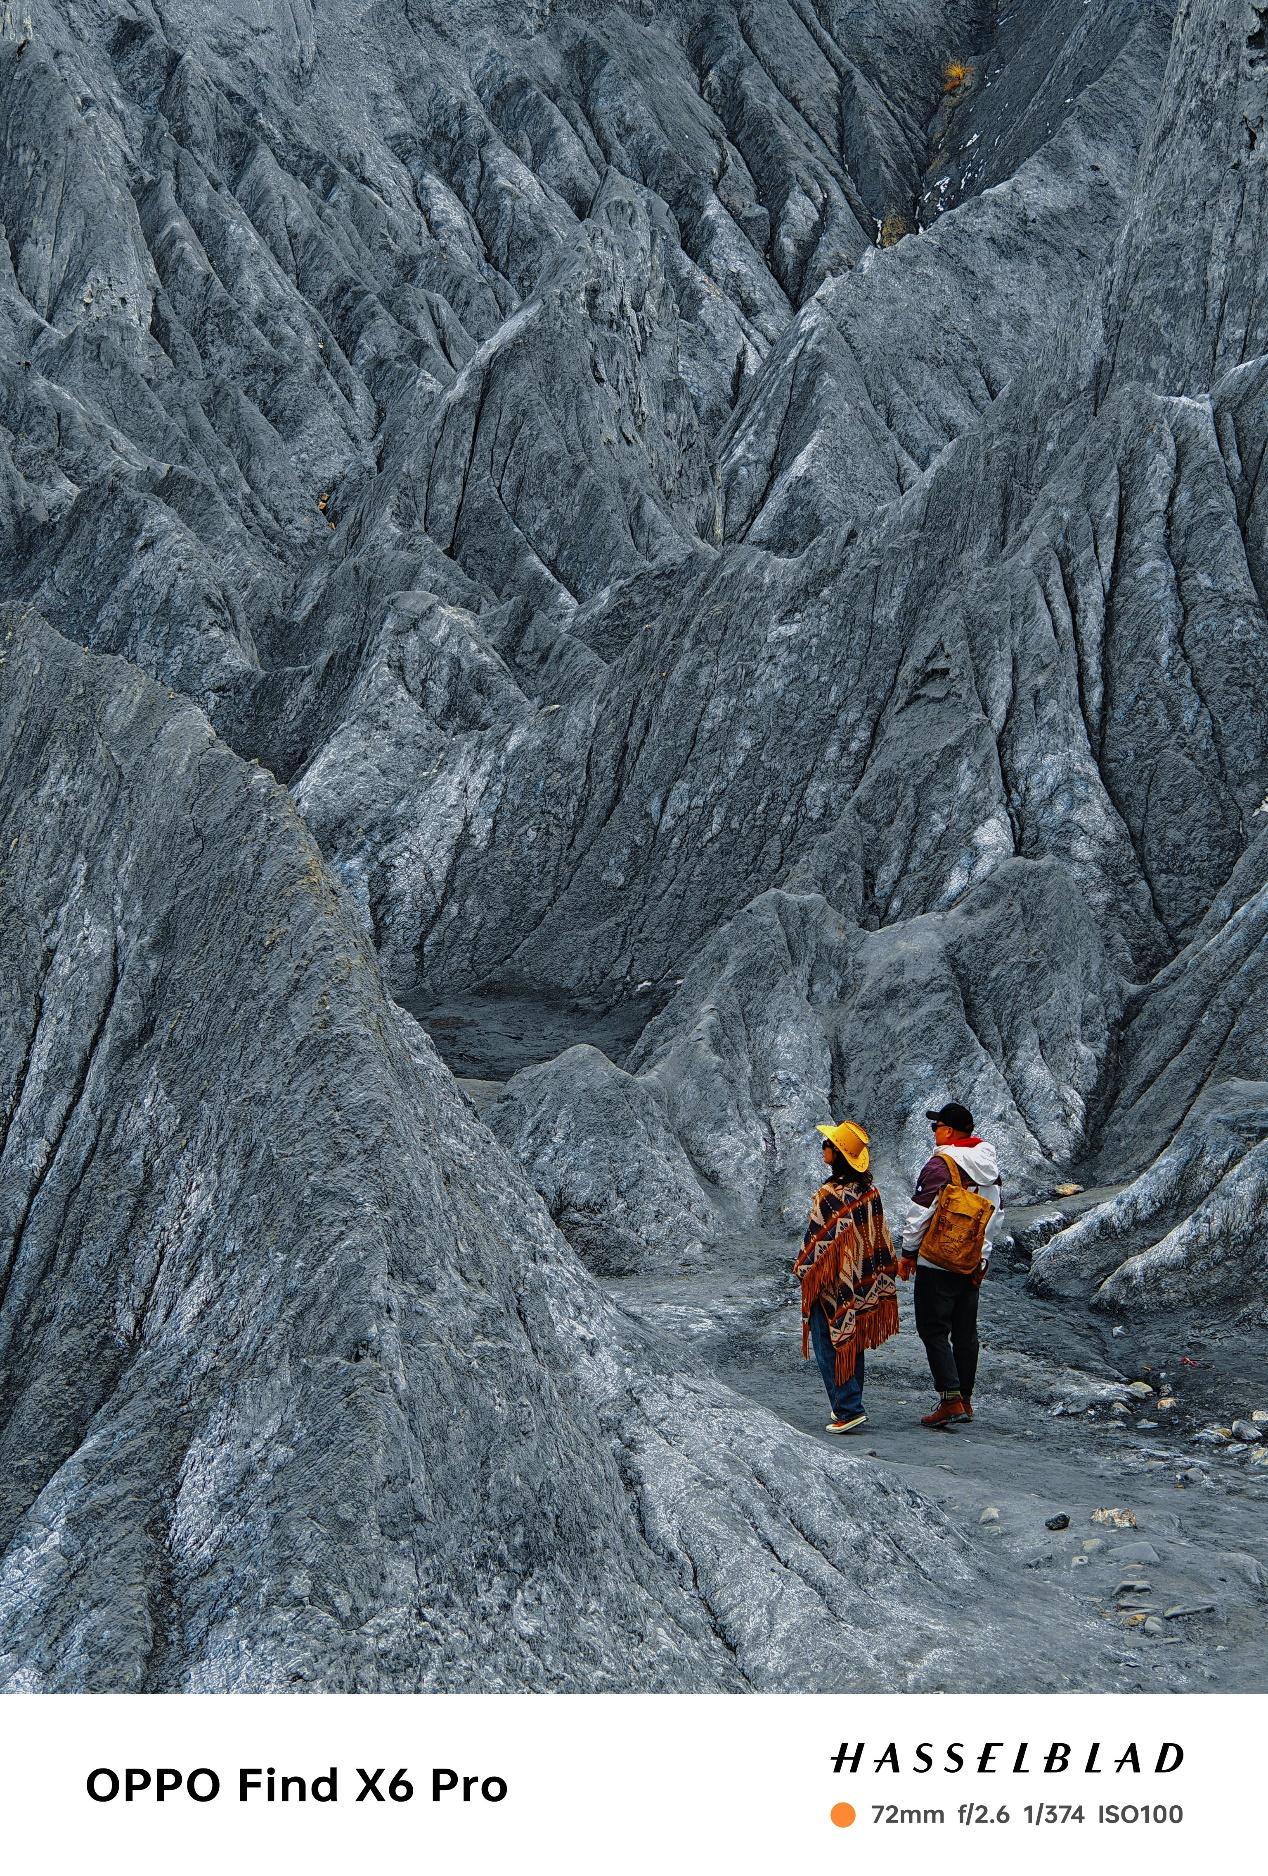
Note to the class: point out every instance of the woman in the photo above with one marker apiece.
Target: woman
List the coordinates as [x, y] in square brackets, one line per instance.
[848, 1299]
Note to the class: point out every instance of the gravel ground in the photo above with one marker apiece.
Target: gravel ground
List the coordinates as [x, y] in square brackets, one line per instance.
[1058, 1432]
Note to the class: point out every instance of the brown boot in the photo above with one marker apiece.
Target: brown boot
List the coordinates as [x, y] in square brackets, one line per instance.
[967, 1406]
[946, 1413]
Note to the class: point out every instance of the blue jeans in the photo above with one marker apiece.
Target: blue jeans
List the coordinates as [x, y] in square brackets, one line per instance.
[848, 1400]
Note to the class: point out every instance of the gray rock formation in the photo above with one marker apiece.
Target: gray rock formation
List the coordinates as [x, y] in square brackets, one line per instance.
[299, 1386]
[739, 524]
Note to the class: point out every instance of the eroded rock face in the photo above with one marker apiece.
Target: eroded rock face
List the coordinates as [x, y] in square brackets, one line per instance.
[1188, 1127]
[792, 1013]
[1049, 672]
[1187, 1231]
[751, 512]
[299, 1385]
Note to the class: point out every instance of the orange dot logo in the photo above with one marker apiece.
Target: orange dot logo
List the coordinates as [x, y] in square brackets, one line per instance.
[843, 1815]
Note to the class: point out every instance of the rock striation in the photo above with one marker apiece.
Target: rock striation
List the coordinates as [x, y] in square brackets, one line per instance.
[745, 522]
[300, 1388]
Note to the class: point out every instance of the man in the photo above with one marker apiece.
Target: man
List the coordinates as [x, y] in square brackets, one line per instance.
[946, 1300]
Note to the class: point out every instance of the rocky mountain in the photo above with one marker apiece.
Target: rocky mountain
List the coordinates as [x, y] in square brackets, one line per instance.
[714, 553]
[300, 1385]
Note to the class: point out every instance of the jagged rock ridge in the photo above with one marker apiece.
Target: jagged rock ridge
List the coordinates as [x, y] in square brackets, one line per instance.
[299, 1386]
[658, 596]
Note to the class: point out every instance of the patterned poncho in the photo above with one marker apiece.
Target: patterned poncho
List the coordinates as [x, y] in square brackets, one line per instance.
[847, 1265]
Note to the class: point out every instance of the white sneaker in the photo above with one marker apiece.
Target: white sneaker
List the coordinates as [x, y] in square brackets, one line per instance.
[847, 1425]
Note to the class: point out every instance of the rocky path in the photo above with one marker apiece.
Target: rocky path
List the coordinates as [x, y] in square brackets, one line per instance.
[1060, 1432]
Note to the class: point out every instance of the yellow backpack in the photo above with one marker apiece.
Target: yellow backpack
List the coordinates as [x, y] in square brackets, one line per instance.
[955, 1234]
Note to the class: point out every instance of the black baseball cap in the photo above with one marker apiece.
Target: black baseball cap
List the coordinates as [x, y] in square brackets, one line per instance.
[952, 1115]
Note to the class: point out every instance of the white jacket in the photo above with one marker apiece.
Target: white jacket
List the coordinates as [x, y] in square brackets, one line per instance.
[981, 1168]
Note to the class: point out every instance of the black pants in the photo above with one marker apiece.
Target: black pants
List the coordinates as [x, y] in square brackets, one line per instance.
[946, 1322]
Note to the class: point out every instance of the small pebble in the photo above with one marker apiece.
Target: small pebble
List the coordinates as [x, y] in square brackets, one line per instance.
[1247, 1431]
[1060, 1523]
[1139, 1388]
[1152, 1626]
[990, 1515]
[1187, 1608]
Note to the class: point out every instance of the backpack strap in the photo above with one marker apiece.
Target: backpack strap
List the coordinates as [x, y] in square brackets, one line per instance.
[956, 1171]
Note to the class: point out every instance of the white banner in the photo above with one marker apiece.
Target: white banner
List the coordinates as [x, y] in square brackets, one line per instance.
[611, 1784]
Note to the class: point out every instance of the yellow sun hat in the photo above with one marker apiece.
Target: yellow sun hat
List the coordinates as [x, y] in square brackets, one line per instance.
[850, 1141]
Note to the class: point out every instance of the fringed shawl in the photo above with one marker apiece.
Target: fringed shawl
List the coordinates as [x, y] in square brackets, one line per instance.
[846, 1264]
